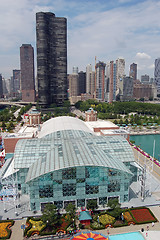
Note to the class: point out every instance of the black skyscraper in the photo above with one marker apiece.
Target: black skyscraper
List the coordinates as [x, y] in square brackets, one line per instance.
[51, 58]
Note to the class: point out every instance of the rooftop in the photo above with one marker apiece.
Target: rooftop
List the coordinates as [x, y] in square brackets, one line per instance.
[100, 124]
[62, 123]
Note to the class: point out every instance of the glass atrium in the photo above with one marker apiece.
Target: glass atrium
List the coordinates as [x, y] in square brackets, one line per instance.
[72, 165]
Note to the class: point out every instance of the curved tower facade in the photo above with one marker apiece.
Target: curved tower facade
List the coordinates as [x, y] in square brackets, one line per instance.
[51, 58]
[157, 74]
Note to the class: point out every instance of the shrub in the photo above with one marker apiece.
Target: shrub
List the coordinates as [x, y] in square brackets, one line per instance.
[106, 219]
[97, 226]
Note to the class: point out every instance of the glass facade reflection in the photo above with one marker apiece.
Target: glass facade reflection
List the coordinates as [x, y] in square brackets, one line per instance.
[71, 165]
[71, 185]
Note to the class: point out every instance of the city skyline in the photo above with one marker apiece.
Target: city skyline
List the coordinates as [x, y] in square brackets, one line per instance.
[113, 29]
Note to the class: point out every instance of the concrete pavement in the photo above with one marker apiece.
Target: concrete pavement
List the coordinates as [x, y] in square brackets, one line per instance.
[17, 232]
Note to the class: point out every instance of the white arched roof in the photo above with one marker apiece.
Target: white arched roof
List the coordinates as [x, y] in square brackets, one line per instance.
[62, 123]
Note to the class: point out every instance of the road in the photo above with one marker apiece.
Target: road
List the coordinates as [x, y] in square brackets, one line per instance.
[78, 112]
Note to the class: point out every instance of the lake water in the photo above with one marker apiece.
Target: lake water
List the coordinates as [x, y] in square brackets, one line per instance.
[146, 143]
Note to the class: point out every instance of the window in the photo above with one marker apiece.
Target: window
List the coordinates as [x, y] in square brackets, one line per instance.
[114, 186]
[92, 189]
[69, 189]
[69, 173]
[80, 202]
[58, 204]
[125, 186]
[102, 200]
[125, 198]
[46, 191]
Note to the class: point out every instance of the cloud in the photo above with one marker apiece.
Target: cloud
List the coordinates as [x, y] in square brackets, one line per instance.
[152, 66]
[142, 55]
[93, 29]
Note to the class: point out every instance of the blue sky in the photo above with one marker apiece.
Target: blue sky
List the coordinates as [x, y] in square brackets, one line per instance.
[107, 29]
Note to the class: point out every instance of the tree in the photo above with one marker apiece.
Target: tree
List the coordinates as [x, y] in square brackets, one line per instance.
[114, 205]
[71, 213]
[3, 125]
[92, 204]
[71, 210]
[19, 118]
[50, 215]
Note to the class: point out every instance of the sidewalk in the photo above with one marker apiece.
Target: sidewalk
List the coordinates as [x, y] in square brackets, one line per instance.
[17, 232]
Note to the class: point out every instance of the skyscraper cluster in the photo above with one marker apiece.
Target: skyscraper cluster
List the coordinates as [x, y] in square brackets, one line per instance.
[108, 82]
[104, 82]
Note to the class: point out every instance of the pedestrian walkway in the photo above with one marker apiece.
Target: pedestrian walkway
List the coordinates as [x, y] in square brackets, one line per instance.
[17, 232]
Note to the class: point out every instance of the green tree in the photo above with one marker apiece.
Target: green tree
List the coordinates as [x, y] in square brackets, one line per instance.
[92, 204]
[50, 215]
[115, 209]
[3, 125]
[19, 118]
[71, 210]
[10, 126]
[71, 213]
[66, 104]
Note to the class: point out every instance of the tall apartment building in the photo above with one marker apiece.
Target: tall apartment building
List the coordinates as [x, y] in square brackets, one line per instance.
[111, 86]
[157, 74]
[27, 73]
[120, 65]
[16, 83]
[133, 71]
[100, 80]
[88, 78]
[51, 58]
[1, 86]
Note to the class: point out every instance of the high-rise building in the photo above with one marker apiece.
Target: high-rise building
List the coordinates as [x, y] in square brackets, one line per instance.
[51, 58]
[88, 79]
[120, 62]
[1, 86]
[100, 80]
[126, 88]
[75, 69]
[145, 79]
[112, 82]
[157, 74]
[92, 83]
[82, 82]
[73, 80]
[133, 71]
[16, 83]
[27, 73]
